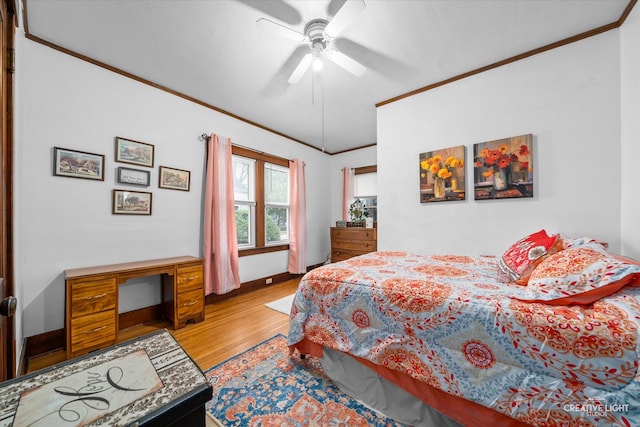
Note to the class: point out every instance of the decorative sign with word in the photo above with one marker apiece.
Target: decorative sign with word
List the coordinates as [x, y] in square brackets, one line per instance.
[83, 397]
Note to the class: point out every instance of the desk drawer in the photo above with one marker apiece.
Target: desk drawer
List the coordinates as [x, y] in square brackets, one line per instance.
[93, 296]
[191, 277]
[93, 331]
[190, 306]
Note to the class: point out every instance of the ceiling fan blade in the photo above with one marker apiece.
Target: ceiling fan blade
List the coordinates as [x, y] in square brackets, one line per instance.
[280, 30]
[349, 64]
[347, 13]
[302, 68]
[278, 9]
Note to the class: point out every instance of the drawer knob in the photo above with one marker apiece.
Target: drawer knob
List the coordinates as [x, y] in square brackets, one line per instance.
[189, 303]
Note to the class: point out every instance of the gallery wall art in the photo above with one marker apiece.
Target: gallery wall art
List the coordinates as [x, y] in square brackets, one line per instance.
[442, 175]
[78, 164]
[503, 168]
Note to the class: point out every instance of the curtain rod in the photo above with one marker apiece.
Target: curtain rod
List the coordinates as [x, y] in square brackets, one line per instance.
[204, 137]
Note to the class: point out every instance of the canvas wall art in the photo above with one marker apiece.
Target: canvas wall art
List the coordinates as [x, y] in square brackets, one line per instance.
[503, 168]
[442, 175]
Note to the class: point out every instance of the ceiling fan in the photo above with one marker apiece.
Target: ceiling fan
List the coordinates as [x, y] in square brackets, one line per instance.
[318, 35]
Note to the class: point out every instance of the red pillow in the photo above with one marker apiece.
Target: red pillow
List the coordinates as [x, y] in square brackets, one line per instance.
[519, 261]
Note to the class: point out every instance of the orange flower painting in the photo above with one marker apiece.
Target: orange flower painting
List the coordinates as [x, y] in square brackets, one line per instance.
[503, 168]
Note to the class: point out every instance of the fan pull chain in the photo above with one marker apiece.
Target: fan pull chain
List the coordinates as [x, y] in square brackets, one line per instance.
[313, 89]
[322, 89]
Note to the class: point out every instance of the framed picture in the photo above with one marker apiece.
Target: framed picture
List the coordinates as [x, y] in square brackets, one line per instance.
[503, 168]
[131, 202]
[133, 176]
[78, 164]
[442, 175]
[134, 152]
[174, 179]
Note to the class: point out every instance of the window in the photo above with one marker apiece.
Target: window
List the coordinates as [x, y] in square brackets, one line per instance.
[366, 189]
[276, 201]
[261, 193]
[244, 194]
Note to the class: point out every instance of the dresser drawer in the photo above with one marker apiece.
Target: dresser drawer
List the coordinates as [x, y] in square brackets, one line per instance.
[93, 331]
[356, 245]
[342, 254]
[190, 306]
[190, 277]
[353, 233]
[93, 296]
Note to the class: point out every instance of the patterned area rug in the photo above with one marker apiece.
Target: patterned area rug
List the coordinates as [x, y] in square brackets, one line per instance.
[264, 386]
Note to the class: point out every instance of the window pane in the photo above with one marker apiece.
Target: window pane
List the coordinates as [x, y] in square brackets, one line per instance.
[244, 225]
[276, 184]
[370, 205]
[243, 179]
[277, 223]
[366, 185]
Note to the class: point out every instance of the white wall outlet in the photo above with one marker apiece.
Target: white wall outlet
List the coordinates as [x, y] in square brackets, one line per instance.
[269, 281]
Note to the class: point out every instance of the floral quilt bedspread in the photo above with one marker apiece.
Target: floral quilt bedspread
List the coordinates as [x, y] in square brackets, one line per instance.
[447, 321]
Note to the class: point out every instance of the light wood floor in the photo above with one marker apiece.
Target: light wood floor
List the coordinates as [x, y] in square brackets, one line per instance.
[230, 327]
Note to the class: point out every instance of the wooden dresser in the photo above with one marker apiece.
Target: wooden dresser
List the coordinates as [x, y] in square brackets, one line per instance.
[91, 315]
[347, 242]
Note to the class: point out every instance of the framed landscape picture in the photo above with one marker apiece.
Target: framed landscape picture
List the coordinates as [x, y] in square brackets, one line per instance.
[133, 177]
[78, 164]
[131, 202]
[174, 179]
[134, 152]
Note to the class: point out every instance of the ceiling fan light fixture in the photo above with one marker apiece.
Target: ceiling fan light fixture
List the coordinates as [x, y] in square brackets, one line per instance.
[317, 64]
[317, 50]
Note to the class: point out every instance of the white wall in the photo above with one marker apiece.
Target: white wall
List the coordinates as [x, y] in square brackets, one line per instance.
[568, 98]
[630, 53]
[64, 223]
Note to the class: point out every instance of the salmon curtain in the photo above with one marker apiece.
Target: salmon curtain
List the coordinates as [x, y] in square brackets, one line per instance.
[298, 233]
[221, 272]
[348, 180]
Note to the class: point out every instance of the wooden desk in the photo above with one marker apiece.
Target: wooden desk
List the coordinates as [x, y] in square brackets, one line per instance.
[91, 295]
[148, 381]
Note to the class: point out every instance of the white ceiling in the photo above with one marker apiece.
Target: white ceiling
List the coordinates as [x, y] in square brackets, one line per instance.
[213, 51]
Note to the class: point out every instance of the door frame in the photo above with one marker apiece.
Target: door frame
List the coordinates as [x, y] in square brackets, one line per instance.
[8, 24]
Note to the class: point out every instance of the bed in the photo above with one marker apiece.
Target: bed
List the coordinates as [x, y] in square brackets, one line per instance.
[546, 334]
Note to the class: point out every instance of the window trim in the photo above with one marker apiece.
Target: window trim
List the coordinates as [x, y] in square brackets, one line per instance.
[260, 238]
[365, 169]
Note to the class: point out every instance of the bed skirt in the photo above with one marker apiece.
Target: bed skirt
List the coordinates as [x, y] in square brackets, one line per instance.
[455, 408]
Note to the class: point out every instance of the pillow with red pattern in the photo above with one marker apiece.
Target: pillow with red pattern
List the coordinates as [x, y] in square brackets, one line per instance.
[580, 275]
[517, 263]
